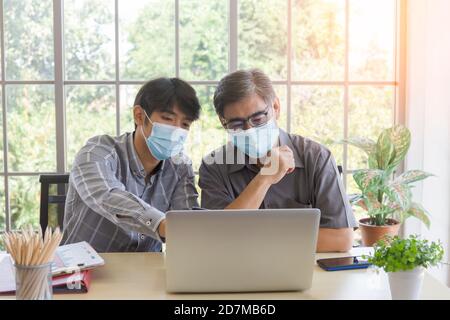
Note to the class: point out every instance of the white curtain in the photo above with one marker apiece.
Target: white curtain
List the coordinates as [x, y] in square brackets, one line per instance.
[428, 116]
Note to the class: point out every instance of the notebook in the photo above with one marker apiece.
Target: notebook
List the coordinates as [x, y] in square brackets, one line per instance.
[75, 257]
[79, 282]
[7, 280]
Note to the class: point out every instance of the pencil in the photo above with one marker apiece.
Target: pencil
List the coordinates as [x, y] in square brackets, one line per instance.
[32, 249]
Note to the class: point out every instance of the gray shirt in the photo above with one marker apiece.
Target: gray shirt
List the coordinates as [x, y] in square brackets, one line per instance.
[111, 202]
[315, 182]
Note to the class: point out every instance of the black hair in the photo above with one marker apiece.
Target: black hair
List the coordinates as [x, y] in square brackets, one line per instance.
[163, 94]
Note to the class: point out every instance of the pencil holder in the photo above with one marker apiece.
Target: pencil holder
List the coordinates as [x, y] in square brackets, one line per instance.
[34, 282]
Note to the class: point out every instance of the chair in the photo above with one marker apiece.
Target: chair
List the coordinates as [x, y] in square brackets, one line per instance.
[60, 180]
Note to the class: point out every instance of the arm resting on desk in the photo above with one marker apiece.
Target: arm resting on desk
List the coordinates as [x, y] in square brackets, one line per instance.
[335, 240]
[100, 190]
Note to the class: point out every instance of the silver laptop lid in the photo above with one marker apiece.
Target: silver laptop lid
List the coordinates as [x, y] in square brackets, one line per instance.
[241, 250]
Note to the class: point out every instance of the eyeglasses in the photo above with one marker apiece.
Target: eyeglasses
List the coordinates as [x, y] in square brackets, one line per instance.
[257, 119]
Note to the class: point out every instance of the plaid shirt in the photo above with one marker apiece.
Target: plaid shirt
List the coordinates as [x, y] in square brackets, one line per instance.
[113, 205]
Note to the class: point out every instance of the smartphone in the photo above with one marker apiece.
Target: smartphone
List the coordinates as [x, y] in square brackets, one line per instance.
[345, 263]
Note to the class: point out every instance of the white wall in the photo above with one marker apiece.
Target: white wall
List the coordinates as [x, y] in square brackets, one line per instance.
[428, 116]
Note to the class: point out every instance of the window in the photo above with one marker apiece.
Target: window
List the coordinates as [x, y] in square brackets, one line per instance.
[70, 69]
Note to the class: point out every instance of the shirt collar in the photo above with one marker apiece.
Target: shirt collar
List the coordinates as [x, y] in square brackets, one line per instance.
[136, 166]
[284, 139]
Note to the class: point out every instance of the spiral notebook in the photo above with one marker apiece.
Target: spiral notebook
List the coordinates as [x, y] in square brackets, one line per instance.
[75, 257]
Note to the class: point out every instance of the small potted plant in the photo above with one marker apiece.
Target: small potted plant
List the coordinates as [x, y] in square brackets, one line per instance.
[385, 197]
[405, 261]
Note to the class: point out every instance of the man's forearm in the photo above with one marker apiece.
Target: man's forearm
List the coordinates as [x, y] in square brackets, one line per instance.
[253, 195]
[335, 240]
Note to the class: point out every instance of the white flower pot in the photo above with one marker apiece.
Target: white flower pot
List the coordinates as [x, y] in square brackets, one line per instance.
[406, 285]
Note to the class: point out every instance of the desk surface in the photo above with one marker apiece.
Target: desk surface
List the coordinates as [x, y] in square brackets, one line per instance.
[142, 276]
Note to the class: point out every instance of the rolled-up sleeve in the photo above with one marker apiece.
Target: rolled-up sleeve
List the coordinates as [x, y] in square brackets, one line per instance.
[215, 195]
[95, 182]
[329, 194]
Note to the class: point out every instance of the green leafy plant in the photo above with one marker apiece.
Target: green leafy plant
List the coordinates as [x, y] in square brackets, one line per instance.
[383, 195]
[396, 254]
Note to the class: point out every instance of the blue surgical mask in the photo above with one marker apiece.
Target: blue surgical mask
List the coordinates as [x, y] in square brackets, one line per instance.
[165, 140]
[256, 142]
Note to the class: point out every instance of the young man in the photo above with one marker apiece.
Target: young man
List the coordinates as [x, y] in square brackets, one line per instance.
[121, 187]
[264, 167]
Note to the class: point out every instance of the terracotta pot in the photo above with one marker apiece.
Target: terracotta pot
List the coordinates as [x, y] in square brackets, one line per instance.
[371, 234]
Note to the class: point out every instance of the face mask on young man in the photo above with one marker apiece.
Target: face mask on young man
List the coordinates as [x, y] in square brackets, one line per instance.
[257, 141]
[165, 141]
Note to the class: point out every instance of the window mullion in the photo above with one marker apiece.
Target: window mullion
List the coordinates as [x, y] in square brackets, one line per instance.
[58, 31]
[177, 38]
[346, 90]
[5, 124]
[233, 36]
[117, 61]
[289, 66]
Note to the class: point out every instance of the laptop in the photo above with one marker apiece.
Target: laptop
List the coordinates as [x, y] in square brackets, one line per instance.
[240, 250]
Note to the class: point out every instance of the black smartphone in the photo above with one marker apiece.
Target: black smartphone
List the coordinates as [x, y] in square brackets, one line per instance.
[345, 263]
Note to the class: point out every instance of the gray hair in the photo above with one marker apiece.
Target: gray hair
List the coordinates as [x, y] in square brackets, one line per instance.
[241, 84]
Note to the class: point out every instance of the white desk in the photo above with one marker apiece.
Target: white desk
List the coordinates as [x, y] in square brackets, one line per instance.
[142, 276]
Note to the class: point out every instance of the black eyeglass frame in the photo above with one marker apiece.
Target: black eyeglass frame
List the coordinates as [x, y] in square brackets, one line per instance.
[248, 120]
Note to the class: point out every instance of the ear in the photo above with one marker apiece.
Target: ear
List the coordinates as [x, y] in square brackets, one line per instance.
[139, 115]
[222, 121]
[277, 108]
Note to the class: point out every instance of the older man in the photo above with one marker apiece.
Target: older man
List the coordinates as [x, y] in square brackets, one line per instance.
[262, 166]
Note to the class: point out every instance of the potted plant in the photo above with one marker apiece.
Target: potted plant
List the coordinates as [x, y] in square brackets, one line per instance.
[405, 261]
[385, 197]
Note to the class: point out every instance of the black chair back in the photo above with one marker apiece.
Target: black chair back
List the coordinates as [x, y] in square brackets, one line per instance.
[341, 170]
[61, 181]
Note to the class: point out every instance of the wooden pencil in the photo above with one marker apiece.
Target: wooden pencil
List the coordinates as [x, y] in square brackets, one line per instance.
[29, 248]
